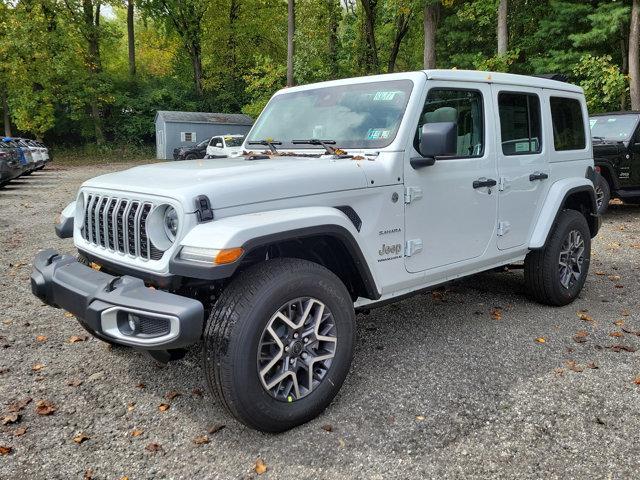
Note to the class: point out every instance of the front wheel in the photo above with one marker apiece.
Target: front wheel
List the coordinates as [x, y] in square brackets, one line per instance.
[555, 274]
[603, 194]
[279, 343]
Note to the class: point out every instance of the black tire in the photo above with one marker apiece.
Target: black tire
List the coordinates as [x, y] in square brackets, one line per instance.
[542, 271]
[235, 328]
[191, 156]
[603, 194]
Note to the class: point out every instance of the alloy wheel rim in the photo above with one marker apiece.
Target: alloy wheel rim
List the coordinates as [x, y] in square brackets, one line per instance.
[296, 349]
[599, 196]
[571, 259]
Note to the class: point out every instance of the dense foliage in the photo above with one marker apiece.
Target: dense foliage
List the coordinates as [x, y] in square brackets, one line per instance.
[68, 76]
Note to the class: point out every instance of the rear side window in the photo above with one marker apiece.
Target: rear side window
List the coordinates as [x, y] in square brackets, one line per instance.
[568, 124]
[520, 126]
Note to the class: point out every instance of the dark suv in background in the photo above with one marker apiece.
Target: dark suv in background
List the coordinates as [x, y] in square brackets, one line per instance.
[191, 152]
[10, 166]
[616, 153]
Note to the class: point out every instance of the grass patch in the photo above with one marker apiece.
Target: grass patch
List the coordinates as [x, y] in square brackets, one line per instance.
[103, 155]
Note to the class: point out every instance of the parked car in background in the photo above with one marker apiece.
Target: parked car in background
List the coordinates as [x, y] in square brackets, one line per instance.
[24, 153]
[46, 153]
[193, 152]
[10, 166]
[37, 154]
[225, 146]
[616, 152]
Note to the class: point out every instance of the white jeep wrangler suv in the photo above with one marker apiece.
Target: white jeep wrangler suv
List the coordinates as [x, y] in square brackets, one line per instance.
[349, 193]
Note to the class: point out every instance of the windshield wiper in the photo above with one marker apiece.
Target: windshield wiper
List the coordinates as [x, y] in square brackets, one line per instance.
[267, 143]
[326, 144]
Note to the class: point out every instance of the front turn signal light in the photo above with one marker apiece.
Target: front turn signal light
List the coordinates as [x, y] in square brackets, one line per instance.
[211, 255]
[228, 255]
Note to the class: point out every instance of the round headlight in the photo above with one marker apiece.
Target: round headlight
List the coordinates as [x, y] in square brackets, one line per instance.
[78, 218]
[170, 223]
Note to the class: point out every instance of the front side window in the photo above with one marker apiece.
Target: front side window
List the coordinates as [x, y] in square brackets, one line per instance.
[359, 115]
[568, 124]
[464, 108]
[520, 127]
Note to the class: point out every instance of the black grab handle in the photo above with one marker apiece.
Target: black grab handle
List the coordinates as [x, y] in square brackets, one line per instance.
[489, 182]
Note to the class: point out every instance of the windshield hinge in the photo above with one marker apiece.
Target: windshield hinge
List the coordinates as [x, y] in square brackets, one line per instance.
[503, 228]
[502, 184]
[411, 194]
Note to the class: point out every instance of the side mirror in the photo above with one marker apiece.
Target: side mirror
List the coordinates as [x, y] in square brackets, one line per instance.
[436, 140]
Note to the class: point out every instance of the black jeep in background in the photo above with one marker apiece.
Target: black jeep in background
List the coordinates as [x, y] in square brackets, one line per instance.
[191, 152]
[616, 153]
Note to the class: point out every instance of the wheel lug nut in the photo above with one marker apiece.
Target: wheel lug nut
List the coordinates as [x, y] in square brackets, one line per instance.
[286, 349]
[304, 355]
[292, 361]
[306, 340]
[296, 335]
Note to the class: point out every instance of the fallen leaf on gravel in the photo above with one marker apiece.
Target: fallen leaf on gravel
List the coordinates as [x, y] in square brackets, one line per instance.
[74, 382]
[19, 405]
[77, 338]
[5, 450]
[18, 432]
[625, 313]
[216, 428]
[437, 295]
[163, 407]
[3, 370]
[618, 286]
[621, 348]
[420, 418]
[601, 273]
[260, 467]
[37, 367]
[496, 313]
[141, 385]
[80, 438]
[614, 278]
[327, 427]
[616, 334]
[580, 336]
[592, 365]
[201, 440]
[573, 366]
[153, 447]
[136, 433]
[172, 394]
[559, 372]
[618, 323]
[342, 443]
[69, 315]
[41, 338]
[637, 380]
[45, 407]
[88, 475]
[131, 407]
[197, 392]
[10, 418]
[583, 315]
[540, 340]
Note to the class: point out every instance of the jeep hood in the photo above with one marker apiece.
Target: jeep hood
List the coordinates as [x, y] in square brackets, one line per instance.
[236, 181]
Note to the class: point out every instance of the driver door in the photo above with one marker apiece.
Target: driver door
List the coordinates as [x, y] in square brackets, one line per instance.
[452, 219]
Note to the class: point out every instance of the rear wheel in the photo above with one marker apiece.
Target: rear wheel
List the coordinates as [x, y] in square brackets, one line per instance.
[556, 274]
[191, 156]
[279, 343]
[603, 194]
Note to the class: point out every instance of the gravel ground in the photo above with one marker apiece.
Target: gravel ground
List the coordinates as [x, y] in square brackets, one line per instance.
[446, 385]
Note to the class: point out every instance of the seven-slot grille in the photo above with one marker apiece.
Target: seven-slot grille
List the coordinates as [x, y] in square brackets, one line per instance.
[119, 225]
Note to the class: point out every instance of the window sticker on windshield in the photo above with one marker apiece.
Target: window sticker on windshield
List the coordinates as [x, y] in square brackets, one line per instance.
[377, 133]
[385, 96]
[611, 120]
[592, 122]
[524, 147]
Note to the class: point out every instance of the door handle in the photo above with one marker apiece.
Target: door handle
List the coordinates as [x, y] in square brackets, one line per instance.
[538, 176]
[484, 182]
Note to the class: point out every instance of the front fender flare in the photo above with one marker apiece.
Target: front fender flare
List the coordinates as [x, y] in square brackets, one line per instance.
[559, 192]
[253, 230]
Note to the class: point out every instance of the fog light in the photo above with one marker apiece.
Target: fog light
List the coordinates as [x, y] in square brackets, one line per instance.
[134, 323]
[128, 323]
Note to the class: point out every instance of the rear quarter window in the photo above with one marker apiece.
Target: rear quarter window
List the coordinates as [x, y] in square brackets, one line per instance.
[568, 124]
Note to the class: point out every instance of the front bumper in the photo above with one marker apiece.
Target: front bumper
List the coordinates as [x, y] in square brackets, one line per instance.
[119, 309]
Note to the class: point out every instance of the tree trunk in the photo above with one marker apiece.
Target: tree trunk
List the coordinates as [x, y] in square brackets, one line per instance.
[131, 38]
[196, 60]
[92, 25]
[430, 27]
[502, 30]
[291, 31]
[372, 64]
[402, 28]
[333, 35]
[6, 117]
[634, 60]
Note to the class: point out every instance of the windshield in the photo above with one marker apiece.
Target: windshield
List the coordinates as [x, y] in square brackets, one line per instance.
[616, 128]
[362, 115]
[233, 141]
[203, 143]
